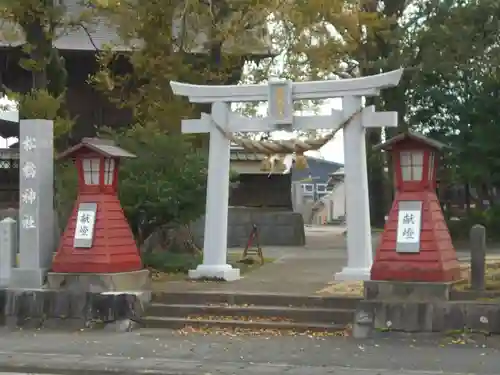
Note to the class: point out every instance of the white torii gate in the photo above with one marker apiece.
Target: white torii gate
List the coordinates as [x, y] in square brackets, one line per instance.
[280, 96]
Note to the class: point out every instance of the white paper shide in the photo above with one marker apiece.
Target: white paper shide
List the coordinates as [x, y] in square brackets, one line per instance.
[85, 225]
[409, 225]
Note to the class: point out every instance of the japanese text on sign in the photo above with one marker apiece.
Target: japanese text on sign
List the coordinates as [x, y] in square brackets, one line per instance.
[85, 225]
[409, 226]
[280, 101]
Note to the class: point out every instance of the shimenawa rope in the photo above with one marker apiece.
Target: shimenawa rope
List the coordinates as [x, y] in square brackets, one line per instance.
[272, 149]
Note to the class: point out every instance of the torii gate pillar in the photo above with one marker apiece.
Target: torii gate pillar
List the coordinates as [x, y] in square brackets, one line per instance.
[280, 96]
[359, 234]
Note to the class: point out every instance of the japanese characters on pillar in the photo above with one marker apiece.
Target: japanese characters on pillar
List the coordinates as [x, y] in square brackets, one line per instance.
[36, 194]
[416, 244]
[28, 184]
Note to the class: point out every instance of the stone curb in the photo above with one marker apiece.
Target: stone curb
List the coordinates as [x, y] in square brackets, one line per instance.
[97, 365]
[427, 316]
[46, 308]
[36, 363]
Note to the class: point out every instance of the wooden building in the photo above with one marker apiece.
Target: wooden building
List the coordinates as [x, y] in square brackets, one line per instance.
[80, 47]
[255, 187]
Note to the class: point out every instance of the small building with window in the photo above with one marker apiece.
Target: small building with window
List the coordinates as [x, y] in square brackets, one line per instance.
[315, 179]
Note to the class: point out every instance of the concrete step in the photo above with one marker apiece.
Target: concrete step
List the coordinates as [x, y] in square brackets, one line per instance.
[256, 299]
[295, 314]
[179, 323]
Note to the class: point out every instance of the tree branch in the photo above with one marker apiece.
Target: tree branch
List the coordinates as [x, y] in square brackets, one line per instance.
[88, 35]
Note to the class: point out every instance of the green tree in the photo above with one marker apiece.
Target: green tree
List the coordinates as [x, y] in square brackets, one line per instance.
[36, 24]
[342, 40]
[191, 41]
[164, 185]
[456, 97]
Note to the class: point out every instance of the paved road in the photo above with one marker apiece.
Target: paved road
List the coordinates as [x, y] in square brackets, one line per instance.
[169, 353]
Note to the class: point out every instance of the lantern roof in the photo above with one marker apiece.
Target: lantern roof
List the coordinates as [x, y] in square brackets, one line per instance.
[104, 147]
[409, 135]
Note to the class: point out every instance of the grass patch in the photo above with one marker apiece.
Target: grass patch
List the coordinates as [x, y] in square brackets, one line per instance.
[374, 231]
[171, 266]
[167, 262]
[234, 260]
[492, 278]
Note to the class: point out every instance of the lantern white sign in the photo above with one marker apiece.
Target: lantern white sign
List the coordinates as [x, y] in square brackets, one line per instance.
[409, 227]
[85, 224]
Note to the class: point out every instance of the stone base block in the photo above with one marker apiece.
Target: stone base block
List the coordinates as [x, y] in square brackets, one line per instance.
[400, 269]
[58, 309]
[4, 282]
[407, 291]
[100, 282]
[276, 227]
[353, 274]
[219, 272]
[431, 316]
[28, 278]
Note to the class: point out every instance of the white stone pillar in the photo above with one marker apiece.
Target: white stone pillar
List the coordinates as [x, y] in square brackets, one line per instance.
[359, 246]
[8, 249]
[36, 203]
[297, 197]
[215, 241]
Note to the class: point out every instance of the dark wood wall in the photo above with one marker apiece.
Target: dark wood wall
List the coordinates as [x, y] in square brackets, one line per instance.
[259, 190]
[90, 108]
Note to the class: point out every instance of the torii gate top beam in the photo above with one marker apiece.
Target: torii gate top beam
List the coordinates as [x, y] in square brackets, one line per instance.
[363, 86]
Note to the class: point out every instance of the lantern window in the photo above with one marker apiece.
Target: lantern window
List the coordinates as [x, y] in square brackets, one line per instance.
[412, 163]
[109, 170]
[91, 171]
[431, 166]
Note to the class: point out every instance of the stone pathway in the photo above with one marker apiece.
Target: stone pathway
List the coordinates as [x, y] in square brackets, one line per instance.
[307, 270]
[296, 270]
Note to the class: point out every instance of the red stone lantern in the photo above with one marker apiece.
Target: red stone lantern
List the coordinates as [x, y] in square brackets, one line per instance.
[416, 244]
[97, 238]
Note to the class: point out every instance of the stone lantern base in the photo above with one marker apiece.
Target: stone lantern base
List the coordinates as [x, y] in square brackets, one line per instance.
[100, 282]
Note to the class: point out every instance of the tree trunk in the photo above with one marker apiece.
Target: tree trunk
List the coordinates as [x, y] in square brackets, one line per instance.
[174, 238]
[376, 180]
[40, 46]
[467, 198]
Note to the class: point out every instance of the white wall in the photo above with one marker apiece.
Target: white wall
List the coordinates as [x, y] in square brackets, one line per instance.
[338, 201]
[332, 206]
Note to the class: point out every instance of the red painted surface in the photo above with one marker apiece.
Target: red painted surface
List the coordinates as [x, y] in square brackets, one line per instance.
[436, 261]
[114, 248]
